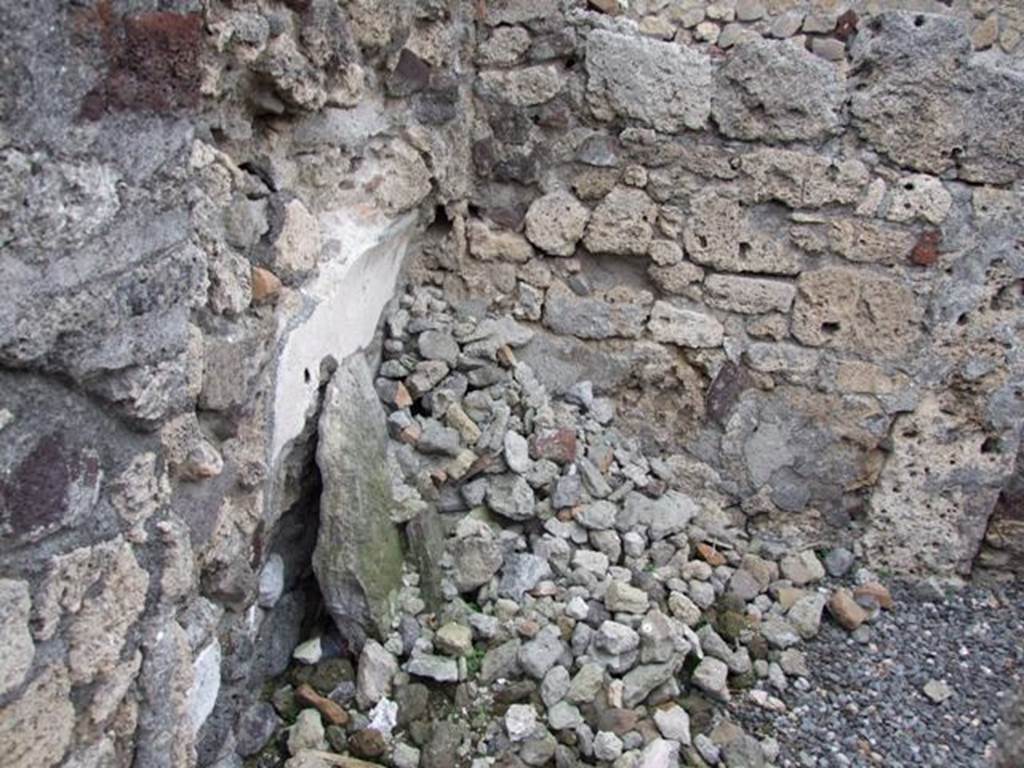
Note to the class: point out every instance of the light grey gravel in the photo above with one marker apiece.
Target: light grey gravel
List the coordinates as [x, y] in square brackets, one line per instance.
[866, 703]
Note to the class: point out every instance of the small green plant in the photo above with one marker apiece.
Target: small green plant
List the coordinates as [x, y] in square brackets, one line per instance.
[474, 661]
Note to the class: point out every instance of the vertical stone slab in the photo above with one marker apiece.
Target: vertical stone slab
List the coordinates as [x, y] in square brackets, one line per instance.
[358, 555]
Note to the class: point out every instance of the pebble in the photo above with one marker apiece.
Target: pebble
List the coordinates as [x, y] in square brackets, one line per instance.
[520, 721]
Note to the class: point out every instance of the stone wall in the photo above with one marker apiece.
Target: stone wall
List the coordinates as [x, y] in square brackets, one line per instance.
[785, 236]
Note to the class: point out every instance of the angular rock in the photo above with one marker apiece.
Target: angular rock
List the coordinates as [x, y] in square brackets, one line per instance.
[511, 496]
[625, 598]
[710, 676]
[520, 721]
[438, 345]
[674, 723]
[805, 615]
[454, 639]
[377, 668]
[661, 85]
[640, 681]
[476, 556]
[438, 668]
[306, 733]
[665, 516]
[660, 753]
[499, 662]
[539, 655]
[802, 568]
[358, 555]
[845, 610]
[776, 91]
[520, 574]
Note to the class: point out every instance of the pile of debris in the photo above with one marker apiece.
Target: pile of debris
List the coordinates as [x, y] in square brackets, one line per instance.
[590, 611]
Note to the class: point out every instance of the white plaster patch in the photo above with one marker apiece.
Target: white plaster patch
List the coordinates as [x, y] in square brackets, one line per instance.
[202, 696]
[336, 313]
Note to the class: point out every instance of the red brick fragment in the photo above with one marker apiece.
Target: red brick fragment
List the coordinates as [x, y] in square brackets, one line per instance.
[926, 251]
[557, 445]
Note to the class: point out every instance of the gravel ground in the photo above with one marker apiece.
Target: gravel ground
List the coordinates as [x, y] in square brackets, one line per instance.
[864, 703]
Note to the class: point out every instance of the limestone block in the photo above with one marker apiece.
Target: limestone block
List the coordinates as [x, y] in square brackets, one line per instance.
[849, 310]
[659, 84]
[555, 223]
[519, 11]
[622, 223]
[400, 180]
[684, 327]
[749, 295]
[620, 313]
[358, 555]
[774, 91]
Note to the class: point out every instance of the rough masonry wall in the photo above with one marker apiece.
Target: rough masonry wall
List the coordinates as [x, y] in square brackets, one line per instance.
[205, 207]
[785, 236]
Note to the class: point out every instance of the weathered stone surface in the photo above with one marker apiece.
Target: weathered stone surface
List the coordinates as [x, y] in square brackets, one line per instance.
[684, 327]
[936, 491]
[858, 240]
[919, 196]
[522, 87]
[662, 85]
[621, 223]
[775, 91]
[377, 667]
[803, 180]
[555, 223]
[847, 309]
[491, 244]
[922, 99]
[358, 555]
[615, 313]
[296, 248]
[35, 730]
[718, 234]
[100, 628]
[749, 295]
[511, 496]
[476, 554]
[15, 607]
